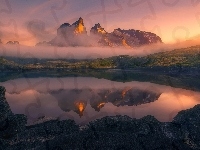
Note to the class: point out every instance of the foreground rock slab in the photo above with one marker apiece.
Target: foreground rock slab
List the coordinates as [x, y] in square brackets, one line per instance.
[118, 132]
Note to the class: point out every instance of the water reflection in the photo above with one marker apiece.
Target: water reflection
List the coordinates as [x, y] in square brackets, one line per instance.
[86, 99]
[77, 99]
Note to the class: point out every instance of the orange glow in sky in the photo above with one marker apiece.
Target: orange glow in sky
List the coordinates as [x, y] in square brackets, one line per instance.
[38, 20]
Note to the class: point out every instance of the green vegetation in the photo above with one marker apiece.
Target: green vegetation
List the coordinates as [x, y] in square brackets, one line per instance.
[186, 57]
[8, 65]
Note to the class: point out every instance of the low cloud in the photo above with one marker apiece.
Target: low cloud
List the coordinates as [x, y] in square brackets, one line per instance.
[89, 52]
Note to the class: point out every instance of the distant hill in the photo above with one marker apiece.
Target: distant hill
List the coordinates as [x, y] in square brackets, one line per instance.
[179, 57]
[185, 57]
[13, 43]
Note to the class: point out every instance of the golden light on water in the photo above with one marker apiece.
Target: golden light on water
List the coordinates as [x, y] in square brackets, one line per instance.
[80, 106]
[125, 91]
[101, 105]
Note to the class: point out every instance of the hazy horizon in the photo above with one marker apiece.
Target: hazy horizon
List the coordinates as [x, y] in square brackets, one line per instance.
[87, 52]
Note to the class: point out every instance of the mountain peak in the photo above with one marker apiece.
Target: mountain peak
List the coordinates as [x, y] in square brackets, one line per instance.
[70, 35]
[79, 26]
[78, 22]
[64, 25]
[97, 29]
[97, 26]
[80, 19]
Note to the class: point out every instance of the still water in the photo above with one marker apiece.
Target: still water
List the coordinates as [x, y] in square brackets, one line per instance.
[84, 99]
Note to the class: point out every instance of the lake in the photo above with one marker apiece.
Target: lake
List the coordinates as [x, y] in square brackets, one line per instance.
[84, 99]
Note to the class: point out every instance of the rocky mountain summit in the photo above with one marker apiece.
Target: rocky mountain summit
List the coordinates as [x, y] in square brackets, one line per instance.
[97, 29]
[71, 35]
[117, 132]
[127, 38]
[76, 35]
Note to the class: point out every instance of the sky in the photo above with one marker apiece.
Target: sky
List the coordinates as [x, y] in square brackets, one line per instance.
[30, 22]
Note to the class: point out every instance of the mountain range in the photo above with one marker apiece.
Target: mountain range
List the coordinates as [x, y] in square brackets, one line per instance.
[76, 35]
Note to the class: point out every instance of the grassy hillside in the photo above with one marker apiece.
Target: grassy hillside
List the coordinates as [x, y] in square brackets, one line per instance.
[178, 57]
[8, 65]
[186, 57]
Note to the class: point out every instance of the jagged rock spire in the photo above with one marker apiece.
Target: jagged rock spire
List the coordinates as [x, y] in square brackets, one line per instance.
[79, 26]
[79, 21]
[97, 29]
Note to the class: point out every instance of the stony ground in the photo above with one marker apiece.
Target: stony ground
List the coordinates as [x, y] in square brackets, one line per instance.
[120, 132]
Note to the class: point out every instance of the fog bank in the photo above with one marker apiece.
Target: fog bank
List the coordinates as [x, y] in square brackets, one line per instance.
[87, 52]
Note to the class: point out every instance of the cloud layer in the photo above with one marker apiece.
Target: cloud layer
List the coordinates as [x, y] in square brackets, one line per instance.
[88, 52]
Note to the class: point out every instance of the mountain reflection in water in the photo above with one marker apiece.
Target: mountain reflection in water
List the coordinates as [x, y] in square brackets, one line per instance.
[77, 99]
[85, 99]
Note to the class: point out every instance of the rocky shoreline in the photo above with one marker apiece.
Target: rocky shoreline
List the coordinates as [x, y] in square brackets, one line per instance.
[119, 132]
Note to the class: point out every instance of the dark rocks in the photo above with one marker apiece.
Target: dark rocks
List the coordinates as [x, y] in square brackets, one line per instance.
[10, 124]
[190, 125]
[117, 132]
[4, 108]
